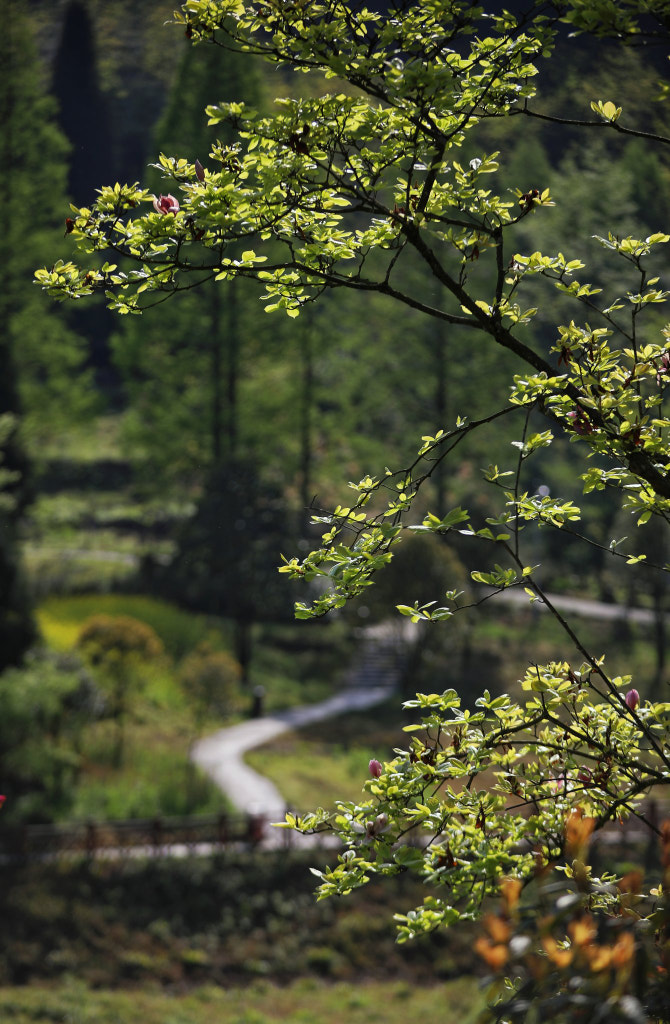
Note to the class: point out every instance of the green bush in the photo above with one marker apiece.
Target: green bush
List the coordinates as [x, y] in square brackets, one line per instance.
[44, 707]
[105, 636]
[211, 679]
[120, 648]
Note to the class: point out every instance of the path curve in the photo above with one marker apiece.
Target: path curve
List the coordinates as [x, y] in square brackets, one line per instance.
[584, 607]
[221, 755]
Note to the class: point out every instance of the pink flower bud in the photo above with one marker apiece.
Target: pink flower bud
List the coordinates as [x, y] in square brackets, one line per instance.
[199, 171]
[2, 800]
[166, 204]
[375, 768]
[579, 422]
[373, 828]
[632, 699]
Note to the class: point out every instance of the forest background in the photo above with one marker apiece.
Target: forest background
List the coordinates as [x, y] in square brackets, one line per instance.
[159, 461]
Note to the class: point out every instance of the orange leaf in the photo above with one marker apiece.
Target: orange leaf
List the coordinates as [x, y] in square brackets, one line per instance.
[600, 957]
[578, 830]
[510, 889]
[624, 950]
[494, 955]
[560, 957]
[631, 882]
[583, 931]
[497, 928]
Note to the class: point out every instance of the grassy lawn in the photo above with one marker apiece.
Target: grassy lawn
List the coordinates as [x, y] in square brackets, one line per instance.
[305, 1002]
[154, 778]
[329, 760]
[61, 618]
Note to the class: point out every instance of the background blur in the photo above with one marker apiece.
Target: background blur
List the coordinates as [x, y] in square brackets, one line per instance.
[155, 469]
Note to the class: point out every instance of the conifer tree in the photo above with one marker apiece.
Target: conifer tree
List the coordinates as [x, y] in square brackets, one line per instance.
[182, 368]
[33, 178]
[32, 175]
[83, 113]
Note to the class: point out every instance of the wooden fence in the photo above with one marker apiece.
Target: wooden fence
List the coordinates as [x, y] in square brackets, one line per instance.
[151, 837]
[205, 835]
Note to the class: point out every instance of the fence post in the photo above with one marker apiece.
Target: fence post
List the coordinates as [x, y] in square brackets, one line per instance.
[255, 829]
[24, 843]
[156, 834]
[91, 839]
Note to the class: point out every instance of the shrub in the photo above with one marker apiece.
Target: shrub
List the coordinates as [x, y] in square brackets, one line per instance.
[211, 679]
[119, 636]
[119, 647]
[44, 706]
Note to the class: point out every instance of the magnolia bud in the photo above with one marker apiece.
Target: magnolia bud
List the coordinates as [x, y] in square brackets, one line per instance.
[166, 204]
[632, 699]
[375, 768]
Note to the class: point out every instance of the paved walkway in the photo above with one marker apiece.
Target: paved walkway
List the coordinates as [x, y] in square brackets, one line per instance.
[221, 755]
[584, 607]
[376, 674]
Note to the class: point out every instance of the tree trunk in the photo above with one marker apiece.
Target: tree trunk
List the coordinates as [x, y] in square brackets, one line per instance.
[306, 406]
[216, 343]
[232, 352]
[440, 396]
[244, 647]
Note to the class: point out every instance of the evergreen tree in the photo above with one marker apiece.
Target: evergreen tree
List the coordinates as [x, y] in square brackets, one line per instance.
[45, 352]
[34, 381]
[182, 372]
[83, 113]
[84, 118]
[228, 553]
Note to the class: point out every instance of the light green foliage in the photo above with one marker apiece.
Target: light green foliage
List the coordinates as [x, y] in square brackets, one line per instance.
[486, 793]
[391, 171]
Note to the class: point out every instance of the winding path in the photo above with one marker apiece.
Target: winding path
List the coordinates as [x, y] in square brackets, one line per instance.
[221, 755]
[375, 676]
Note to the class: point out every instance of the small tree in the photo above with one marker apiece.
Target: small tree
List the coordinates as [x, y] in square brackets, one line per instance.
[350, 190]
[212, 679]
[119, 647]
